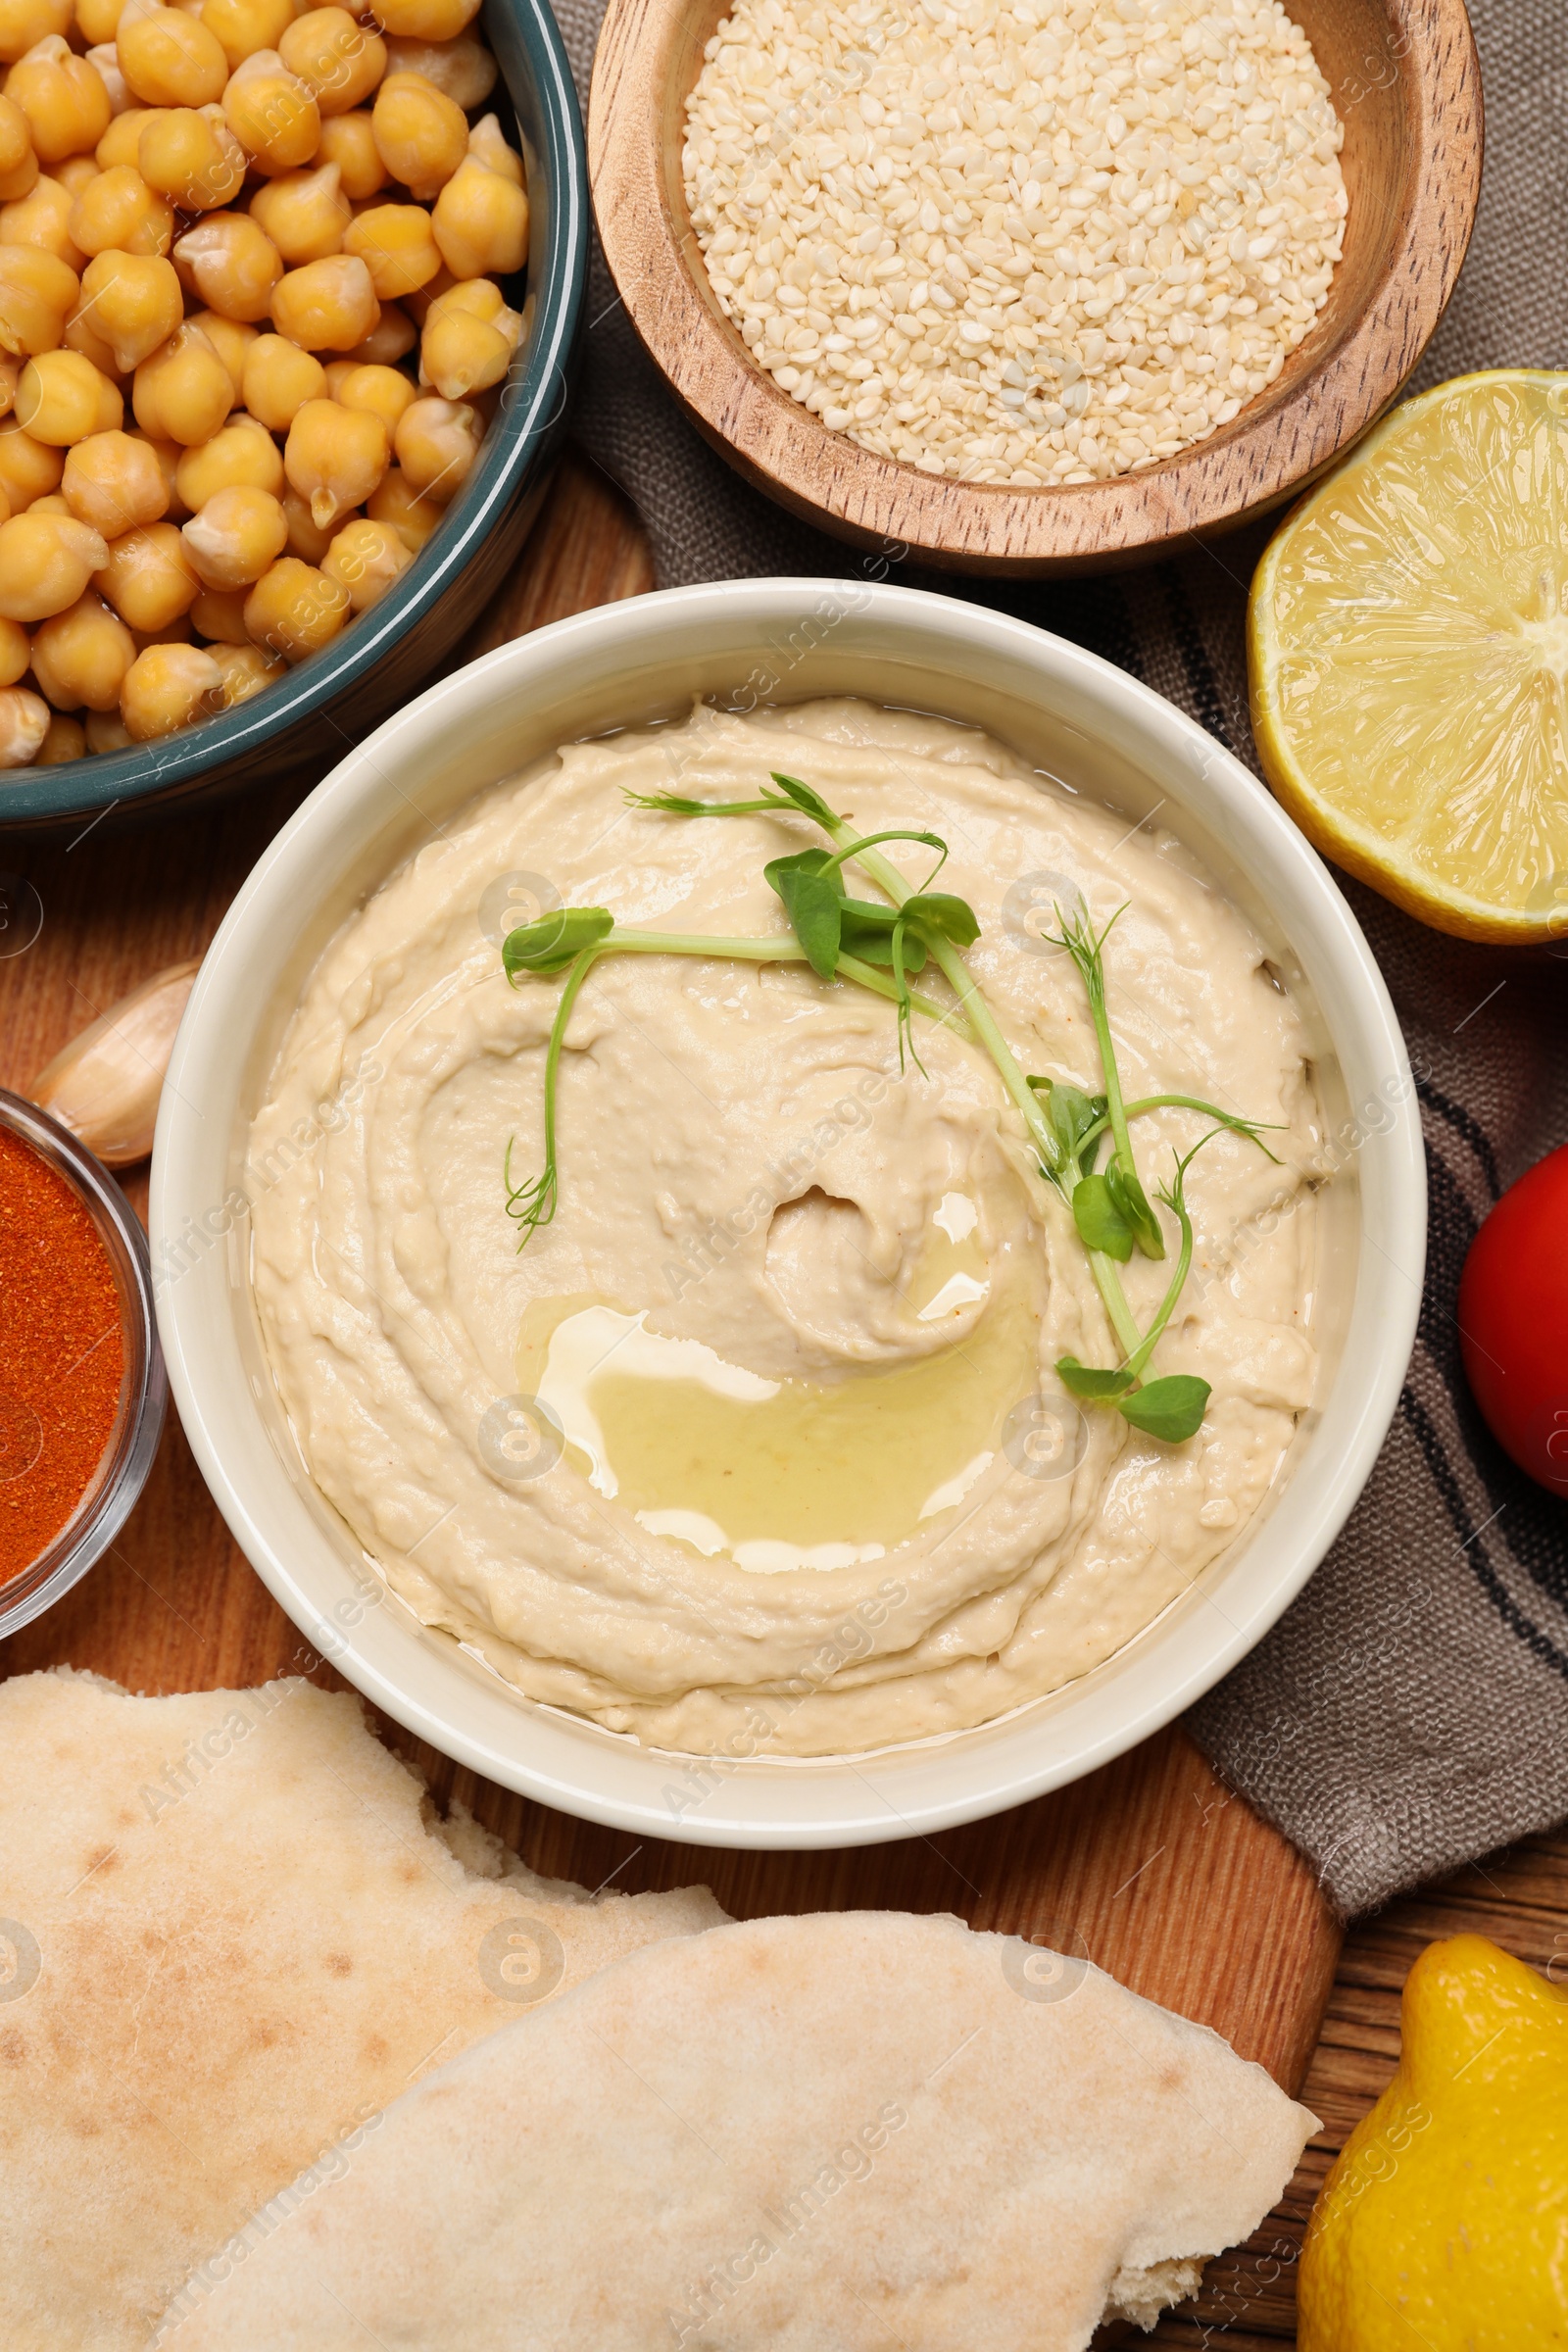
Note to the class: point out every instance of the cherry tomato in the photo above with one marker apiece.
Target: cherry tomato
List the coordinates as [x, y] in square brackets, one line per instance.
[1513, 1321]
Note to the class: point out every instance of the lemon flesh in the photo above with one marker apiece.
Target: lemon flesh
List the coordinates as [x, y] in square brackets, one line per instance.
[1409, 647]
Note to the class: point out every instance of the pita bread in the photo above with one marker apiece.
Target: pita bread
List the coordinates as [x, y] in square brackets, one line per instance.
[852, 2132]
[233, 1930]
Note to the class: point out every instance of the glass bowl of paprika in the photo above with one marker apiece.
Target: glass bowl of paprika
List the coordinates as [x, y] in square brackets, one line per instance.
[81, 1378]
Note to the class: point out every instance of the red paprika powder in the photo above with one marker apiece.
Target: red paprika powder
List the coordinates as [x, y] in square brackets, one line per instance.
[62, 1357]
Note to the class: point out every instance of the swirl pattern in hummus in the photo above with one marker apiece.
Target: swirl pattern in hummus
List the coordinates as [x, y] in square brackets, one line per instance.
[744, 1166]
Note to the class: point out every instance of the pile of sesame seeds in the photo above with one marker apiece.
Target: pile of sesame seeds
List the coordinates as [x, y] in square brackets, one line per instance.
[1024, 244]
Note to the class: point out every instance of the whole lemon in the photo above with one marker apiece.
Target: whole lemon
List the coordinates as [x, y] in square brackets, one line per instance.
[1444, 2222]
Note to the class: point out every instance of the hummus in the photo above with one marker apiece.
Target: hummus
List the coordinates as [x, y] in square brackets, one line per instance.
[756, 1447]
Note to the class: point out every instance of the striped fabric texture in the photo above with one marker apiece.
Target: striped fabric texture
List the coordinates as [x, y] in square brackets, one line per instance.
[1411, 1710]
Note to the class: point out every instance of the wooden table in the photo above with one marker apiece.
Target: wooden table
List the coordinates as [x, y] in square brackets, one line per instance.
[1176, 1886]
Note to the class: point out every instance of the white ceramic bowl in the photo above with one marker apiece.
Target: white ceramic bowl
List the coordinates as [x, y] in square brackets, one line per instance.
[623, 665]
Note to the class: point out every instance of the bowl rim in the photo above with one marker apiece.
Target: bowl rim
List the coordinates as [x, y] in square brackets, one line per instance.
[126, 1460]
[1242, 470]
[419, 1678]
[534, 397]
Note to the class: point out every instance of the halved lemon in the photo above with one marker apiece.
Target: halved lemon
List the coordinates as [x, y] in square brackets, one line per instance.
[1407, 639]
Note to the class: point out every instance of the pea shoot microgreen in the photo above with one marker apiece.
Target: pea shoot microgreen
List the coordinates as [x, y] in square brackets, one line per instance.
[879, 945]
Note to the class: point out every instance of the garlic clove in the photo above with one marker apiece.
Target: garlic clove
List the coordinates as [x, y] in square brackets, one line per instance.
[105, 1085]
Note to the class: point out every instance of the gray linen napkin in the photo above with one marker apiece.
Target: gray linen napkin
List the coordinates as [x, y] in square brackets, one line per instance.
[1411, 1710]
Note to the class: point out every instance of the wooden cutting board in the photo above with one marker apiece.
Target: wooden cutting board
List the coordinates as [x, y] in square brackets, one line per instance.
[1171, 1881]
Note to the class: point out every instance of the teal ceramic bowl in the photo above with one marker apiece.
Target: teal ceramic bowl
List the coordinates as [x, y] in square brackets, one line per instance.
[334, 699]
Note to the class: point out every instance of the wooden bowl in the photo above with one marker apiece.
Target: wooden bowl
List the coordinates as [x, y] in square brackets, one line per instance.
[1407, 88]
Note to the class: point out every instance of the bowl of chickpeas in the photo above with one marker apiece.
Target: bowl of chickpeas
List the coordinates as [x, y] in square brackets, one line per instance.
[288, 298]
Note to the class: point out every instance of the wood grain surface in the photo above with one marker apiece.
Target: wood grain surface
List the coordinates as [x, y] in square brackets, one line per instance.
[1407, 88]
[1168, 1880]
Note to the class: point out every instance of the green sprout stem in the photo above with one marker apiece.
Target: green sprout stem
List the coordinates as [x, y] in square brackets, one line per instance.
[1106, 1274]
[1137, 1364]
[1171, 1408]
[1253, 1129]
[868, 841]
[534, 1205]
[784, 950]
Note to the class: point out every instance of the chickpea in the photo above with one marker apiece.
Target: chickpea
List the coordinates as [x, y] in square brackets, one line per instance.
[335, 457]
[367, 557]
[418, 303]
[167, 687]
[29, 470]
[81, 335]
[304, 212]
[25, 22]
[115, 483]
[25, 178]
[243, 456]
[81, 656]
[305, 539]
[9, 376]
[478, 296]
[117, 212]
[272, 114]
[412, 517]
[65, 739]
[467, 342]
[54, 504]
[37, 292]
[149, 578]
[74, 173]
[220, 614]
[340, 60]
[62, 399]
[98, 21]
[235, 536]
[427, 19]
[106, 732]
[169, 58]
[23, 724]
[480, 222]
[19, 165]
[396, 245]
[294, 610]
[246, 670]
[177, 631]
[184, 392]
[16, 651]
[111, 401]
[349, 141]
[134, 302]
[233, 263]
[42, 219]
[423, 136]
[384, 391]
[326, 306]
[463, 70]
[191, 156]
[229, 339]
[487, 144]
[166, 455]
[105, 62]
[279, 379]
[243, 26]
[45, 563]
[392, 338]
[63, 99]
[437, 442]
[121, 141]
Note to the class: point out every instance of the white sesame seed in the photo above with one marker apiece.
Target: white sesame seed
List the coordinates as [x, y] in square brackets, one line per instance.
[1000, 244]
